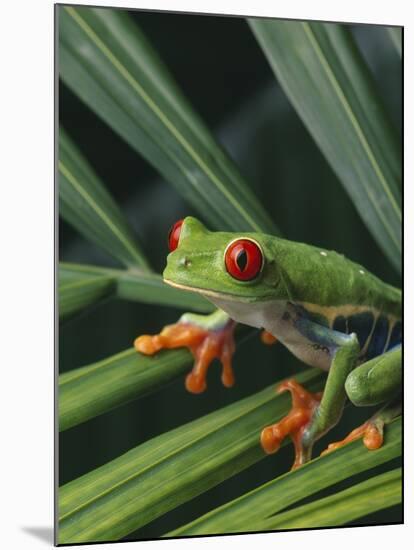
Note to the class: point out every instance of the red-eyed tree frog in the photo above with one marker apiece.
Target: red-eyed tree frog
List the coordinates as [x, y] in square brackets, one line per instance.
[328, 311]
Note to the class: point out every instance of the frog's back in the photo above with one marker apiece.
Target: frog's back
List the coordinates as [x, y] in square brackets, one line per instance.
[346, 297]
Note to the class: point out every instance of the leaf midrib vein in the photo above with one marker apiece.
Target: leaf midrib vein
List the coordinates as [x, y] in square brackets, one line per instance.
[85, 282]
[167, 456]
[158, 113]
[358, 130]
[100, 364]
[160, 462]
[101, 214]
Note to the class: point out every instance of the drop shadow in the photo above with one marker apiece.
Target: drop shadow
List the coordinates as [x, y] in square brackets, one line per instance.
[43, 533]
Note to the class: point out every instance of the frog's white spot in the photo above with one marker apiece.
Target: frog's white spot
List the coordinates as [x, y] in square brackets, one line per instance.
[323, 253]
[362, 272]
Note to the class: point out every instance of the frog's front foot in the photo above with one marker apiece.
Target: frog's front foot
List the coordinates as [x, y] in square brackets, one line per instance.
[294, 424]
[207, 337]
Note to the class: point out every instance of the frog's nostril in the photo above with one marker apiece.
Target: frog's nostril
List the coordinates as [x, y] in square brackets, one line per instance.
[184, 262]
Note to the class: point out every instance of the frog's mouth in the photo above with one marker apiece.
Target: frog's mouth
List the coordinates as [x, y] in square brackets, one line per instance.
[239, 308]
[208, 292]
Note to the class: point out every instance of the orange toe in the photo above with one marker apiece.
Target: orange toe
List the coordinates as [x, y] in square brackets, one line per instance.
[267, 338]
[195, 383]
[373, 437]
[148, 345]
[269, 441]
[294, 423]
[371, 433]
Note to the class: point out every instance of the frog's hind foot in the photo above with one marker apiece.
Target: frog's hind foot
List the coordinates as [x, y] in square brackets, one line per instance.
[371, 432]
[294, 423]
[205, 343]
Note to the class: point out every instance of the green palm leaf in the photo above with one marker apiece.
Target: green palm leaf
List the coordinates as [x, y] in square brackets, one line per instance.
[86, 204]
[395, 34]
[82, 285]
[94, 389]
[78, 290]
[254, 507]
[106, 60]
[151, 289]
[377, 493]
[89, 391]
[323, 74]
[141, 485]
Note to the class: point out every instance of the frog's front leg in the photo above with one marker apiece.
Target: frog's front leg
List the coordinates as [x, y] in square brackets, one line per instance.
[206, 336]
[313, 415]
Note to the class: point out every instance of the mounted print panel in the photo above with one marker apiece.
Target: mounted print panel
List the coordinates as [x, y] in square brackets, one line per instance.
[230, 312]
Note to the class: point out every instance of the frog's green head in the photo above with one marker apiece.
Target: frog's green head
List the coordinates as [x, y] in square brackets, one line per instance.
[238, 266]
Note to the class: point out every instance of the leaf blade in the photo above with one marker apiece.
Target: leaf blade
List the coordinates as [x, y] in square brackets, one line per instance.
[85, 204]
[130, 491]
[276, 495]
[329, 85]
[127, 284]
[395, 33]
[92, 390]
[133, 92]
[79, 290]
[374, 494]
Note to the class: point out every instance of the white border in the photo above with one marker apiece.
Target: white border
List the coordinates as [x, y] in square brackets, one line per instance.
[27, 267]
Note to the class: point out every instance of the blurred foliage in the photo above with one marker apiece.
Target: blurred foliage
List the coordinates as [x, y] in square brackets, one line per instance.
[327, 81]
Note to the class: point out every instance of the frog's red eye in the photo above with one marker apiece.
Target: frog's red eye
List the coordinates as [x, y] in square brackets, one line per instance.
[243, 259]
[174, 235]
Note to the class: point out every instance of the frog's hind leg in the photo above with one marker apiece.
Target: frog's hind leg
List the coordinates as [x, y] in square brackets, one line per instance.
[374, 382]
[371, 431]
[377, 380]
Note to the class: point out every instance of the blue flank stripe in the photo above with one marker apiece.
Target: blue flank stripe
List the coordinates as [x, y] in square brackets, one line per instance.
[361, 324]
[340, 324]
[378, 338]
[396, 335]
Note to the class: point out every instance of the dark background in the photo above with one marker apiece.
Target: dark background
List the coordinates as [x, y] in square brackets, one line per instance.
[222, 71]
